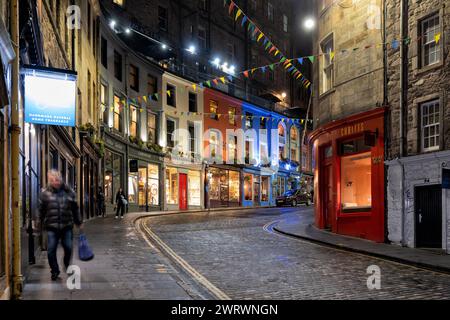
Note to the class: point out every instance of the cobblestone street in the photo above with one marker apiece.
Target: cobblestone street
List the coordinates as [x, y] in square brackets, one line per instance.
[234, 252]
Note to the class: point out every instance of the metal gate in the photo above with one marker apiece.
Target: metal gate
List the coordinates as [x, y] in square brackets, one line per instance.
[428, 215]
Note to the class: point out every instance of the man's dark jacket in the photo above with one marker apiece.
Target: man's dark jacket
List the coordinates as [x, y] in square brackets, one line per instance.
[58, 209]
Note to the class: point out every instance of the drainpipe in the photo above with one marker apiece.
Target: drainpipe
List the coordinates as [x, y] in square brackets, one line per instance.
[15, 137]
[403, 97]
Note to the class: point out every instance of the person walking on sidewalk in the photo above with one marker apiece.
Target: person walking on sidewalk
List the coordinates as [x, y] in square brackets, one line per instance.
[58, 212]
[101, 203]
[121, 203]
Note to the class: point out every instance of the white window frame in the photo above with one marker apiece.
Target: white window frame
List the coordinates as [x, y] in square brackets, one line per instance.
[285, 23]
[428, 40]
[327, 65]
[435, 125]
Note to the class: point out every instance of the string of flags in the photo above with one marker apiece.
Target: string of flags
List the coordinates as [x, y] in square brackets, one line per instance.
[259, 36]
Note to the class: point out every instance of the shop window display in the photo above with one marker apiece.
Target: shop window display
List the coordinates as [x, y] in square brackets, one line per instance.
[172, 185]
[356, 189]
[265, 189]
[132, 187]
[234, 186]
[142, 186]
[194, 188]
[153, 185]
[248, 187]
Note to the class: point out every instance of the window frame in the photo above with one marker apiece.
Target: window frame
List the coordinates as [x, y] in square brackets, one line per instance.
[438, 134]
[163, 19]
[118, 70]
[133, 108]
[422, 45]
[190, 95]
[134, 77]
[155, 138]
[119, 113]
[173, 95]
[326, 66]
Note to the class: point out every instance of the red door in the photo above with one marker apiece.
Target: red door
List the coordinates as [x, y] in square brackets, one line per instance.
[327, 196]
[183, 191]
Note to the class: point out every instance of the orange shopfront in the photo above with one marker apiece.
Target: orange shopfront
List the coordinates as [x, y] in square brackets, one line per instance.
[349, 175]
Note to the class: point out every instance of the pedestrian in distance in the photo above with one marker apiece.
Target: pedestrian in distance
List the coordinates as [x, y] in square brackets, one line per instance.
[101, 203]
[121, 203]
[58, 212]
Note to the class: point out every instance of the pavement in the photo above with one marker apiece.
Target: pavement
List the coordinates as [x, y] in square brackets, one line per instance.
[301, 226]
[125, 267]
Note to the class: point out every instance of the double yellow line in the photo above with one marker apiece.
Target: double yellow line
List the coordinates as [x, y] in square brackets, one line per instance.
[150, 237]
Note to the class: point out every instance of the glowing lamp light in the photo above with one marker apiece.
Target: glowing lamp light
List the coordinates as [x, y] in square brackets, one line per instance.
[309, 24]
[164, 46]
[127, 30]
[191, 49]
[217, 61]
[288, 166]
[112, 24]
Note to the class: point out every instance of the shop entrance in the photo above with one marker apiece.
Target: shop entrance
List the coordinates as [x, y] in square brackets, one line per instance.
[326, 186]
[183, 191]
[428, 215]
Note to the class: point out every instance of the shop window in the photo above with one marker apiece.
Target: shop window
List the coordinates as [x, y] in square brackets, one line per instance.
[134, 120]
[356, 182]
[133, 187]
[256, 189]
[151, 127]
[265, 189]
[117, 169]
[194, 188]
[353, 146]
[430, 125]
[171, 96]
[213, 108]
[281, 185]
[153, 185]
[142, 187]
[234, 192]
[430, 51]
[214, 184]
[118, 112]
[172, 185]
[134, 77]
[232, 116]
[248, 187]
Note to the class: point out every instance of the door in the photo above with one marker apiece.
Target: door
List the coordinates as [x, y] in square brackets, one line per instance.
[428, 214]
[327, 194]
[183, 191]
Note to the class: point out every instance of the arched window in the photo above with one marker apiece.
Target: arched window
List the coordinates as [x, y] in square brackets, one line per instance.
[294, 143]
[282, 141]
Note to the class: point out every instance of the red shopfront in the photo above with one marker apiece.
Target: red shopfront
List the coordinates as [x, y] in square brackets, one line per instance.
[349, 175]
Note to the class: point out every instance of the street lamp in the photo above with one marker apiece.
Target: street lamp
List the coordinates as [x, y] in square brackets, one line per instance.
[309, 23]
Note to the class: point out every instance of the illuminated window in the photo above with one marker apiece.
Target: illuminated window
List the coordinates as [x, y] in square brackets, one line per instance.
[119, 2]
[118, 111]
[248, 187]
[132, 187]
[232, 149]
[151, 127]
[172, 185]
[194, 188]
[104, 101]
[231, 115]
[153, 185]
[281, 141]
[171, 126]
[356, 182]
[213, 108]
[142, 187]
[294, 144]
[214, 144]
[265, 189]
[133, 121]
[234, 186]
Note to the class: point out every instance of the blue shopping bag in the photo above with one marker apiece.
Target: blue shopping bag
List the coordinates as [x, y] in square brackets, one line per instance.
[84, 251]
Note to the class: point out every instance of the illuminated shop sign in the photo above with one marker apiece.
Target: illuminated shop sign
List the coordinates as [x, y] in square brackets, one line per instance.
[50, 96]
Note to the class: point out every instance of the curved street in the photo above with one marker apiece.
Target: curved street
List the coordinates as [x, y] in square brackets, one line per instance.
[241, 258]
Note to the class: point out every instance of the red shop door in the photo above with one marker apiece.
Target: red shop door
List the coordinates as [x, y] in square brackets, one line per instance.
[183, 191]
[327, 197]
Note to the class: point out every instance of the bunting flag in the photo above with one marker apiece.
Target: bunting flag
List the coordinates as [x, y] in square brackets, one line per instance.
[194, 86]
[245, 73]
[331, 55]
[222, 79]
[394, 44]
[208, 83]
[238, 14]
[169, 93]
[230, 9]
[215, 82]
[244, 20]
[300, 60]
[312, 58]
[260, 37]
[437, 37]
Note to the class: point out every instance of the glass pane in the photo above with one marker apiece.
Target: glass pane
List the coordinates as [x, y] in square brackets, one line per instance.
[248, 183]
[356, 188]
[172, 185]
[264, 189]
[234, 186]
[153, 185]
[132, 187]
[194, 188]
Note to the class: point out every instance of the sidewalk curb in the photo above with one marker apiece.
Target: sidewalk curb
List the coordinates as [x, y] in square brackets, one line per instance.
[422, 265]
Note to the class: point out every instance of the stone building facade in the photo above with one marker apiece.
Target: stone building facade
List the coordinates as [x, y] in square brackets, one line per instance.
[348, 108]
[417, 155]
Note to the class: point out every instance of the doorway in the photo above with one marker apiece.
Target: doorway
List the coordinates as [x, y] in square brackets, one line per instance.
[183, 191]
[428, 216]
[326, 186]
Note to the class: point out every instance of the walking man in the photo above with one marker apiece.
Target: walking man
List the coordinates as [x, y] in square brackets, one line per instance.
[58, 212]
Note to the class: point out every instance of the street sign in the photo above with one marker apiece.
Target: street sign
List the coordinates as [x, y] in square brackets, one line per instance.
[134, 167]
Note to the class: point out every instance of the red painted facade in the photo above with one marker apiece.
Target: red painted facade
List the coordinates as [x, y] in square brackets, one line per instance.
[222, 121]
[329, 210]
